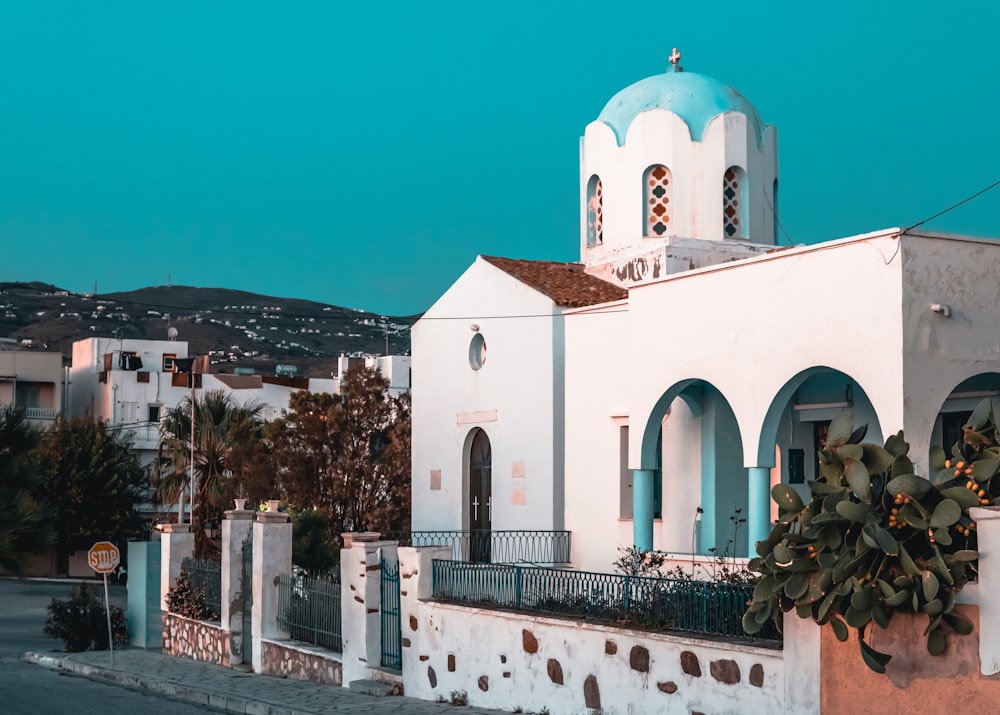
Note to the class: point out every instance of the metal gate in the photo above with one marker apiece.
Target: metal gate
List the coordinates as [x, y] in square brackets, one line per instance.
[246, 592]
[392, 633]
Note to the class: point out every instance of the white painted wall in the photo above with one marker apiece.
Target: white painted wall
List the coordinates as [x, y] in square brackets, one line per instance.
[469, 648]
[511, 398]
[747, 331]
[596, 409]
[658, 136]
[940, 352]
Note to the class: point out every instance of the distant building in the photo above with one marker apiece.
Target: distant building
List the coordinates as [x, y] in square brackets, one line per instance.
[33, 380]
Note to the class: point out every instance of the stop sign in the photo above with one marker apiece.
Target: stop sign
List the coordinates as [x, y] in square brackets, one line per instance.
[103, 557]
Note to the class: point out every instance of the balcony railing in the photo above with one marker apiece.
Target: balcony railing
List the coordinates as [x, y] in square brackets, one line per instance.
[39, 413]
[498, 547]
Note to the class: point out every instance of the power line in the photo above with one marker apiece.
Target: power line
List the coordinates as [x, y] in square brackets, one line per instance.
[954, 206]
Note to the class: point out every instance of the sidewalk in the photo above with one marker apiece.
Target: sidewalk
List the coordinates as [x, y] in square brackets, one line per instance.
[232, 690]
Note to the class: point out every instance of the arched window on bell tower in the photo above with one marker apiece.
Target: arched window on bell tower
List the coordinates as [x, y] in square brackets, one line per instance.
[657, 184]
[734, 204]
[595, 211]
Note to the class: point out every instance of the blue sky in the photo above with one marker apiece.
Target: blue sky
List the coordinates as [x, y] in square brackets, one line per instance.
[363, 154]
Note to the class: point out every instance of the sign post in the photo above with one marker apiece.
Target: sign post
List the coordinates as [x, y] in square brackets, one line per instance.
[104, 558]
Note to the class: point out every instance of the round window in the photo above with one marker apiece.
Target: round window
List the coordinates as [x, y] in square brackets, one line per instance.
[477, 351]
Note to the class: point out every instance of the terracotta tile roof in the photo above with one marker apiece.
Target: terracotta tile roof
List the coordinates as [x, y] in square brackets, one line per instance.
[567, 284]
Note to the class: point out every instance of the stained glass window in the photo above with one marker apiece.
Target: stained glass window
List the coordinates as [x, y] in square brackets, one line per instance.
[657, 189]
[733, 203]
[595, 211]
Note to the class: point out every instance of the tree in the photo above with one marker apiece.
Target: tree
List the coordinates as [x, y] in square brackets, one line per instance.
[347, 455]
[226, 439]
[25, 524]
[93, 480]
[313, 549]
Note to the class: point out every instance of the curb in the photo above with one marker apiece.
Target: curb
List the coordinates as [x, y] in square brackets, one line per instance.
[177, 691]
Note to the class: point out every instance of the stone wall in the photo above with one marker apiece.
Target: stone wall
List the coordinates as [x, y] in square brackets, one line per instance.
[300, 662]
[197, 640]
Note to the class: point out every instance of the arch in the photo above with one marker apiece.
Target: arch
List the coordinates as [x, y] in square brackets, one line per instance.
[958, 405]
[811, 397]
[478, 494]
[657, 192]
[734, 203]
[704, 479]
[595, 211]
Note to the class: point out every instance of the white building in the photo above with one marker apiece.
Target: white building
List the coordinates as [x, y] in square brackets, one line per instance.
[652, 393]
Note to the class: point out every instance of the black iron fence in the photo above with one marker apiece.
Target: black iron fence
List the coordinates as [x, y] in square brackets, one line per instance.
[205, 577]
[309, 609]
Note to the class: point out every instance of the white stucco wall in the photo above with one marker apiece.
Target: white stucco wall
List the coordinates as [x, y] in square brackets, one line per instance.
[746, 329]
[597, 381]
[512, 398]
[509, 660]
[940, 352]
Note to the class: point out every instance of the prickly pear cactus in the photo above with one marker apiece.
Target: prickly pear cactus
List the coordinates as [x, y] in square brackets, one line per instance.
[876, 539]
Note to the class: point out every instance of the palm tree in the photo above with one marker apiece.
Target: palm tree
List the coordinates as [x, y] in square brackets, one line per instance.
[26, 521]
[225, 437]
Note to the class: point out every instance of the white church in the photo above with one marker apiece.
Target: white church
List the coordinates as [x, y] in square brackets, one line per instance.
[653, 392]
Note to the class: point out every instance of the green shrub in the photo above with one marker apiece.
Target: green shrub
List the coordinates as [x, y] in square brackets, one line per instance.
[81, 622]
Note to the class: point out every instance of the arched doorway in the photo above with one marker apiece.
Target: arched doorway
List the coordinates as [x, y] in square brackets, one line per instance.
[480, 506]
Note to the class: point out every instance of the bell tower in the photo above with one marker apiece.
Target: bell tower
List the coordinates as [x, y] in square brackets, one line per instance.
[678, 171]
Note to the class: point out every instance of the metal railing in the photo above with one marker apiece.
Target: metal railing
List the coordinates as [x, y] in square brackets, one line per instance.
[499, 547]
[710, 608]
[39, 413]
[309, 609]
[205, 576]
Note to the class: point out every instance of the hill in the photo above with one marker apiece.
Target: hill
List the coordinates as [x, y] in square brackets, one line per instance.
[235, 328]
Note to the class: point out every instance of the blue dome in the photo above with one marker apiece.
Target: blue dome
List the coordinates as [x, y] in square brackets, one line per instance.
[693, 97]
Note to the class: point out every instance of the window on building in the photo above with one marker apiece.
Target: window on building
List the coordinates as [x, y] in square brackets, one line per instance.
[952, 432]
[657, 190]
[595, 211]
[820, 431]
[153, 414]
[624, 475]
[27, 396]
[168, 361]
[734, 203]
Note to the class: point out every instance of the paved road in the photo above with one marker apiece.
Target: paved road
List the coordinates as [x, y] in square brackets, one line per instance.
[23, 612]
[158, 682]
[27, 688]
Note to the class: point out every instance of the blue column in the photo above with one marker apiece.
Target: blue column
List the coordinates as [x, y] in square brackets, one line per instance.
[642, 508]
[759, 508]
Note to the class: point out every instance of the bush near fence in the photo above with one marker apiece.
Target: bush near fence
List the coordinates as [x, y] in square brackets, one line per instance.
[700, 607]
[204, 584]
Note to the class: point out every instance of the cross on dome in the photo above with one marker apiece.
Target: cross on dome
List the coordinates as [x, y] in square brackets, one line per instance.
[675, 60]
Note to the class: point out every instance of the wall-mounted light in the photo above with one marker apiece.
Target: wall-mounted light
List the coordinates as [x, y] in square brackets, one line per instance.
[941, 308]
[474, 327]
